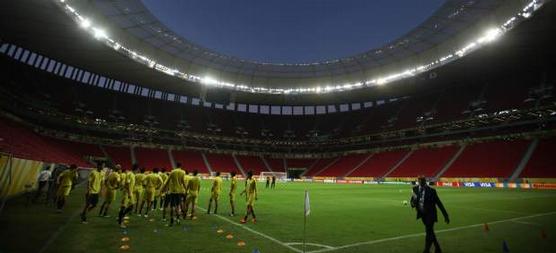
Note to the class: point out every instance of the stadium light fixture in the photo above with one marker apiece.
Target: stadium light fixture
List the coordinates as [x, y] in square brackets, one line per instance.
[488, 36]
[85, 23]
[99, 33]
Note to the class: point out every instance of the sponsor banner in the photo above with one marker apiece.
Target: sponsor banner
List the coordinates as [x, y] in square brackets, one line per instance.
[370, 182]
[341, 181]
[318, 180]
[543, 186]
[298, 180]
[308, 180]
[399, 183]
[329, 181]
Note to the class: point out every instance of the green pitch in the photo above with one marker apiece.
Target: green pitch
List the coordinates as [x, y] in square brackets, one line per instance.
[344, 218]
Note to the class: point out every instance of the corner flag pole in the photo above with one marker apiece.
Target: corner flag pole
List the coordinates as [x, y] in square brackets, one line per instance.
[306, 211]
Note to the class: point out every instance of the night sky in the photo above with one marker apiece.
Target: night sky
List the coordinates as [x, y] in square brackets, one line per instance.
[292, 31]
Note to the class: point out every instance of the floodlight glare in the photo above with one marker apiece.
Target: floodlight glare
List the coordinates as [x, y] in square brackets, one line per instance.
[99, 33]
[491, 35]
[85, 23]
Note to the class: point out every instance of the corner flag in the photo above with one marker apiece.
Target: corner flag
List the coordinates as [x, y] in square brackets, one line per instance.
[307, 204]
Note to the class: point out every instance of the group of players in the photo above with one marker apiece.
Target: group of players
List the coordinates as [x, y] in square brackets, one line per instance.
[176, 190]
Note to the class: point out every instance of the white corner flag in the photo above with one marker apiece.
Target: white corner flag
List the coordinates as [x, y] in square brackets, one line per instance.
[307, 204]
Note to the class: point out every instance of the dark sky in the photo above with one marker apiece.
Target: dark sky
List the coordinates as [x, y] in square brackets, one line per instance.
[291, 31]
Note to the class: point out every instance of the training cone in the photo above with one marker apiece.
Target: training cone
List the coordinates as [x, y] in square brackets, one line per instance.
[220, 231]
[543, 234]
[240, 243]
[155, 230]
[505, 247]
[256, 251]
[125, 239]
[151, 220]
[124, 247]
[485, 227]
[229, 237]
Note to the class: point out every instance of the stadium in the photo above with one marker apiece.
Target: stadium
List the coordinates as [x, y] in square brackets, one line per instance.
[105, 110]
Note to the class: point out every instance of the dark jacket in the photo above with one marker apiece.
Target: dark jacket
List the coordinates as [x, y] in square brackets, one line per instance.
[429, 212]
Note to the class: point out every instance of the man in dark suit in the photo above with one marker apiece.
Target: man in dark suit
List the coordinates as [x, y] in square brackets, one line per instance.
[424, 200]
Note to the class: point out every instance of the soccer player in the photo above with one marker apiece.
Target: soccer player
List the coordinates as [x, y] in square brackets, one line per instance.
[267, 182]
[93, 190]
[233, 187]
[128, 198]
[215, 193]
[139, 190]
[65, 183]
[273, 185]
[251, 193]
[111, 186]
[153, 182]
[175, 185]
[162, 194]
[193, 187]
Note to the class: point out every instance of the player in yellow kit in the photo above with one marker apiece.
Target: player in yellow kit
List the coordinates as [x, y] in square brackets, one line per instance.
[93, 190]
[128, 198]
[251, 193]
[175, 187]
[65, 183]
[193, 187]
[162, 194]
[139, 190]
[215, 193]
[111, 185]
[153, 182]
[232, 194]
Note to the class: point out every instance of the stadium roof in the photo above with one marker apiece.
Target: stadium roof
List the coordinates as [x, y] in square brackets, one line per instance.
[132, 30]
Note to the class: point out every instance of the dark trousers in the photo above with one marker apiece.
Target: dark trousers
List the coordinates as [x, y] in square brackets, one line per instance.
[430, 238]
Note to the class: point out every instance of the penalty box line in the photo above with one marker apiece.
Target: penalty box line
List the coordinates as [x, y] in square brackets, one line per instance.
[438, 231]
[253, 231]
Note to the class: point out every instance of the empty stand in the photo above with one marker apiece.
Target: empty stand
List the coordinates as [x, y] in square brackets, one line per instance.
[120, 155]
[251, 163]
[379, 164]
[489, 159]
[152, 158]
[190, 160]
[276, 165]
[222, 163]
[343, 165]
[425, 161]
[318, 166]
[543, 161]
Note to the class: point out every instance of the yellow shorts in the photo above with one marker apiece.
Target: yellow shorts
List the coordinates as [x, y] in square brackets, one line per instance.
[251, 200]
[149, 195]
[110, 195]
[232, 196]
[128, 200]
[215, 195]
[138, 194]
[63, 191]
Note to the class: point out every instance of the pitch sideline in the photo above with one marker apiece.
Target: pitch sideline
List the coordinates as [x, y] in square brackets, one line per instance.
[438, 231]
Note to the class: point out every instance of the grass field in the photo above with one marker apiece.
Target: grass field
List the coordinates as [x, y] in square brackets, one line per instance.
[344, 218]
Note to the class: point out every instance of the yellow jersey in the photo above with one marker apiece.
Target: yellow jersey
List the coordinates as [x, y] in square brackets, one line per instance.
[251, 187]
[113, 181]
[66, 178]
[129, 183]
[233, 185]
[217, 185]
[123, 179]
[153, 181]
[193, 186]
[95, 182]
[139, 181]
[176, 181]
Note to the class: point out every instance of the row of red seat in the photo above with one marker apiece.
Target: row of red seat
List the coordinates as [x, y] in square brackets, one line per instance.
[489, 159]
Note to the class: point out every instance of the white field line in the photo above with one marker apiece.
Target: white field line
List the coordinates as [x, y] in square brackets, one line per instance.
[254, 232]
[422, 234]
[311, 244]
[528, 223]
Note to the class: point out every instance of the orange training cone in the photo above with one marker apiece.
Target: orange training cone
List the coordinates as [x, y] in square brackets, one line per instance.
[485, 227]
